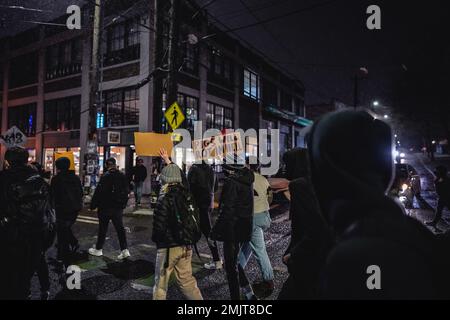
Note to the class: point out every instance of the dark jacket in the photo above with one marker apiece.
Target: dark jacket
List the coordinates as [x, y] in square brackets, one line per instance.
[167, 204]
[310, 235]
[351, 171]
[202, 183]
[235, 220]
[139, 173]
[442, 185]
[111, 192]
[26, 213]
[67, 194]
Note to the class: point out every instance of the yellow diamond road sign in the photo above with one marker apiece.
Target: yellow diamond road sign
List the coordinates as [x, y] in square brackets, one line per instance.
[174, 116]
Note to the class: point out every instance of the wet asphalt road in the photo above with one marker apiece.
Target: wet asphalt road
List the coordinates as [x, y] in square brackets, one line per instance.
[106, 278]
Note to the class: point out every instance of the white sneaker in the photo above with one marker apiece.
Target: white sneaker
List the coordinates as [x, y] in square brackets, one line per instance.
[95, 252]
[214, 265]
[124, 254]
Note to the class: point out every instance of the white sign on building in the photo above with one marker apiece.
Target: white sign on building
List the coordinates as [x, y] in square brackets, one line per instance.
[13, 138]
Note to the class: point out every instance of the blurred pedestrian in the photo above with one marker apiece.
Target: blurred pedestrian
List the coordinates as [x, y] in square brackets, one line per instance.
[67, 193]
[310, 236]
[202, 184]
[110, 198]
[234, 224]
[442, 186]
[261, 223]
[25, 217]
[175, 231]
[381, 253]
[138, 176]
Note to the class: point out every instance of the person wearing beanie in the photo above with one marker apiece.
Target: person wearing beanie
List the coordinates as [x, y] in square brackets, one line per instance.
[380, 252]
[175, 231]
[67, 193]
[110, 198]
[234, 225]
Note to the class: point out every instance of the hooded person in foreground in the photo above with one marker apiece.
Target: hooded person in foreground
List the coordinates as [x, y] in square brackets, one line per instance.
[380, 252]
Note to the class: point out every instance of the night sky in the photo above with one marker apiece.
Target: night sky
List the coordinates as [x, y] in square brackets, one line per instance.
[322, 46]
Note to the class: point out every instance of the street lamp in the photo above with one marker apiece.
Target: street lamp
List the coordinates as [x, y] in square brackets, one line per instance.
[386, 116]
[375, 104]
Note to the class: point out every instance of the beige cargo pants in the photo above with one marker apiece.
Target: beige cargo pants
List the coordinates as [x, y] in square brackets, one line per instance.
[180, 262]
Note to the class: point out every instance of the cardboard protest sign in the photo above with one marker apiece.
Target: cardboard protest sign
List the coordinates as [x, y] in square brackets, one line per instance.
[216, 147]
[69, 155]
[149, 143]
[13, 138]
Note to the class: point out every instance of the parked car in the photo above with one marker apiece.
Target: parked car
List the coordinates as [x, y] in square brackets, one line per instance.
[406, 184]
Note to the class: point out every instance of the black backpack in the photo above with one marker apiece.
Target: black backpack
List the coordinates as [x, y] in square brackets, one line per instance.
[185, 221]
[31, 207]
[118, 190]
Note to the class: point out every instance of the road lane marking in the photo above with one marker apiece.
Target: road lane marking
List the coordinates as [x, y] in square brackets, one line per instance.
[87, 221]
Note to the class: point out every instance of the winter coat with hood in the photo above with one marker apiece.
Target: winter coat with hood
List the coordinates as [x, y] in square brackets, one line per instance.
[202, 182]
[235, 220]
[351, 170]
[310, 235]
[67, 193]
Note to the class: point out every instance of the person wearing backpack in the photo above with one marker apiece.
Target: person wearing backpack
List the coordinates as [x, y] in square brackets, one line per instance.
[26, 216]
[67, 193]
[202, 184]
[234, 225]
[110, 198]
[175, 232]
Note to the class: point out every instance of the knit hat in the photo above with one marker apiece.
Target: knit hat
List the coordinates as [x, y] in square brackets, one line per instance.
[171, 174]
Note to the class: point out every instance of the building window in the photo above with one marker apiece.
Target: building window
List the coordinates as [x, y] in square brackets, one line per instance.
[270, 94]
[251, 84]
[219, 66]
[121, 108]
[286, 101]
[62, 114]
[189, 106]
[298, 106]
[24, 118]
[189, 58]
[122, 42]
[219, 117]
[23, 70]
[64, 59]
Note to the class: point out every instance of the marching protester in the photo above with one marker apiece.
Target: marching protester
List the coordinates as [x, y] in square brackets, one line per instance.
[261, 223]
[67, 193]
[310, 236]
[175, 231]
[202, 184]
[138, 176]
[380, 253]
[110, 198]
[26, 220]
[442, 186]
[234, 224]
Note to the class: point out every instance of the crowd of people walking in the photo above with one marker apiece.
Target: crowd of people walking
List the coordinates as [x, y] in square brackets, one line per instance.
[342, 221]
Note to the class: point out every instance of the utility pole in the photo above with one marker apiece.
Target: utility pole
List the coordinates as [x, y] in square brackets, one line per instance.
[91, 158]
[172, 53]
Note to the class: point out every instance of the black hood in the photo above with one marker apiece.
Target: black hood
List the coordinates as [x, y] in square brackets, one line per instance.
[242, 175]
[351, 166]
[19, 173]
[297, 163]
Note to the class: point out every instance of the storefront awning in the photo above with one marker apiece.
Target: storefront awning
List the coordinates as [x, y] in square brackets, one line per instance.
[289, 116]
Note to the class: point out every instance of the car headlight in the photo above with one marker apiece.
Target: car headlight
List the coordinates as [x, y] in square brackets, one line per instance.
[402, 155]
[404, 187]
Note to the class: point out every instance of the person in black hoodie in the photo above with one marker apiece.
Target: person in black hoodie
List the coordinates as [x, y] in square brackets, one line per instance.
[442, 186]
[380, 253]
[67, 193]
[202, 183]
[25, 199]
[138, 176]
[234, 224]
[310, 236]
[110, 198]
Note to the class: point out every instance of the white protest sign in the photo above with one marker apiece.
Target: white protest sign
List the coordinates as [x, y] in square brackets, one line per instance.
[13, 138]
